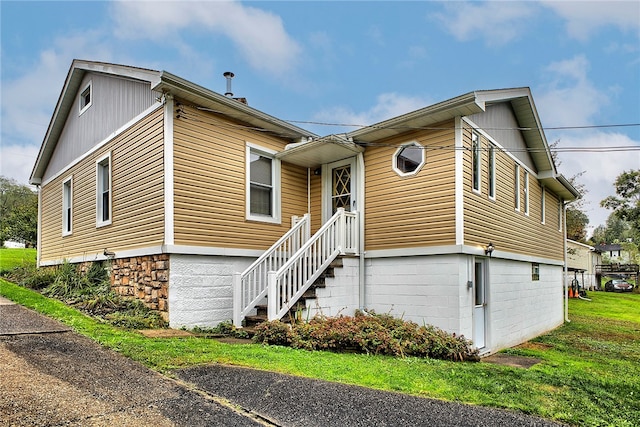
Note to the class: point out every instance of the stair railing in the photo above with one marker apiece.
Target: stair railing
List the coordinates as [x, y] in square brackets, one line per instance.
[338, 236]
[250, 287]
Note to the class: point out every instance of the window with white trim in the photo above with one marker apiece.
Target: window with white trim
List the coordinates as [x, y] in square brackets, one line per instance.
[476, 161]
[516, 187]
[86, 98]
[491, 176]
[408, 159]
[103, 191]
[67, 207]
[543, 207]
[560, 215]
[526, 193]
[263, 185]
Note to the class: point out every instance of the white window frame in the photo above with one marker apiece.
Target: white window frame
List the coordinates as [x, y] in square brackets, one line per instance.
[492, 172]
[516, 188]
[394, 159]
[526, 192]
[81, 106]
[560, 216]
[476, 162]
[67, 206]
[543, 205]
[276, 194]
[100, 163]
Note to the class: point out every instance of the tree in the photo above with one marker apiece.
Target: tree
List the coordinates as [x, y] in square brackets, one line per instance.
[576, 224]
[626, 206]
[18, 212]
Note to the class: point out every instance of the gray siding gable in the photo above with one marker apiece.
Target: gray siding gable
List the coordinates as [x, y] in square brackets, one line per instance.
[115, 102]
[500, 122]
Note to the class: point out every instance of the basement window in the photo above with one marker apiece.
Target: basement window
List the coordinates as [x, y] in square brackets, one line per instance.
[535, 271]
[408, 159]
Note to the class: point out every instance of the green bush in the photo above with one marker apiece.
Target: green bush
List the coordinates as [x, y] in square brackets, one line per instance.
[226, 329]
[369, 333]
[69, 283]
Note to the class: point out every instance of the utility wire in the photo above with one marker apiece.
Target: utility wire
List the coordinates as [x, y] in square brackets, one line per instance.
[184, 114]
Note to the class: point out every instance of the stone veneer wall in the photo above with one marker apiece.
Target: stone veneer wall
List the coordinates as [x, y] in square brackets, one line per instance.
[145, 278]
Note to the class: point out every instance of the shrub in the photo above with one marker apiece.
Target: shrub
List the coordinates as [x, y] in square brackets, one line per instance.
[68, 284]
[275, 333]
[226, 329]
[369, 333]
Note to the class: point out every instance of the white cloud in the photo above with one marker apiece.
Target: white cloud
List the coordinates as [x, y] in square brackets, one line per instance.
[601, 168]
[583, 18]
[17, 161]
[569, 98]
[259, 35]
[387, 105]
[497, 22]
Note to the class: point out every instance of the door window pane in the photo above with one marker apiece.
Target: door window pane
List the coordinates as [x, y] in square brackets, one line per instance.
[341, 188]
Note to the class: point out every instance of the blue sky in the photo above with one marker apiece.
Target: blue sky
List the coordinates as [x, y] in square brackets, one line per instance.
[350, 63]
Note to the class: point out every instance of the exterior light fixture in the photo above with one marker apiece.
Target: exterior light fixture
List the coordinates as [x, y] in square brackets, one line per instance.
[110, 255]
[488, 250]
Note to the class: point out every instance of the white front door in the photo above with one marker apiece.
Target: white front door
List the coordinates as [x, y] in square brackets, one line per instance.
[480, 304]
[339, 187]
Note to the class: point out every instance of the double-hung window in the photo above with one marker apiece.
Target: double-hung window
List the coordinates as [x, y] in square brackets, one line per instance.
[67, 206]
[526, 193]
[491, 176]
[476, 159]
[103, 191]
[543, 205]
[516, 188]
[263, 185]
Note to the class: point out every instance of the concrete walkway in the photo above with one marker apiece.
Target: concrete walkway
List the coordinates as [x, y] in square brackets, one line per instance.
[50, 376]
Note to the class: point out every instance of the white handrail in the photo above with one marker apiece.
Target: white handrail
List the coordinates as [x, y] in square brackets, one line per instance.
[250, 286]
[337, 236]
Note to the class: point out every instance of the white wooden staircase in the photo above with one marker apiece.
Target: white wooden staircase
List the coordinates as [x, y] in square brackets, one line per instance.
[282, 275]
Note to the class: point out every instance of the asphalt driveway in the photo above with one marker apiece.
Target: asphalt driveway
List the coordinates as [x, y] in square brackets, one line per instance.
[51, 376]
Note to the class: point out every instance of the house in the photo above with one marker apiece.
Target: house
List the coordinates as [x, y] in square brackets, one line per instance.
[582, 260]
[210, 210]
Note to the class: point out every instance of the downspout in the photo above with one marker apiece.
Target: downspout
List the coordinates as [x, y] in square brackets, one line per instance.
[361, 261]
[565, 275]
[39, 228]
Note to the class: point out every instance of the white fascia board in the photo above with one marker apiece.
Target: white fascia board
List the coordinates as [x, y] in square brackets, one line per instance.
[458, 249]
[179, 87]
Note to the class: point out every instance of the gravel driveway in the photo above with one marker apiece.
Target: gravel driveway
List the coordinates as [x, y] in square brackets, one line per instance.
[50, 376]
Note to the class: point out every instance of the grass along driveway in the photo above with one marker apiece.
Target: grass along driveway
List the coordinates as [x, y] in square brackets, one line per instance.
[588, 374]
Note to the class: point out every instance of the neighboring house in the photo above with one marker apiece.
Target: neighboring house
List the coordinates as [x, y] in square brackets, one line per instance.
[450, 215]
[582, 260]
[614, 253]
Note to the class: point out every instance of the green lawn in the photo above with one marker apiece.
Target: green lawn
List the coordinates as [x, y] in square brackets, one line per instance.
[10, 258]
[588, 375]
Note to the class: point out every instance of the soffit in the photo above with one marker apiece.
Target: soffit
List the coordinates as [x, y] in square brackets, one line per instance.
[320, 151]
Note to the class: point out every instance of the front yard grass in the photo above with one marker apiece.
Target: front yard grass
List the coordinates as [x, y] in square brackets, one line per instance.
[588, 374]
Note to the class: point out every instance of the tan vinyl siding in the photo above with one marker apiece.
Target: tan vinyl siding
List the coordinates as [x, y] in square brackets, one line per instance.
[497, 221]
[412, 211]
[209, 163]
[137, 171]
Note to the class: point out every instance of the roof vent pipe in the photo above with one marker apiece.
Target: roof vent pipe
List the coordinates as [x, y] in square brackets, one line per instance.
[229, 75]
